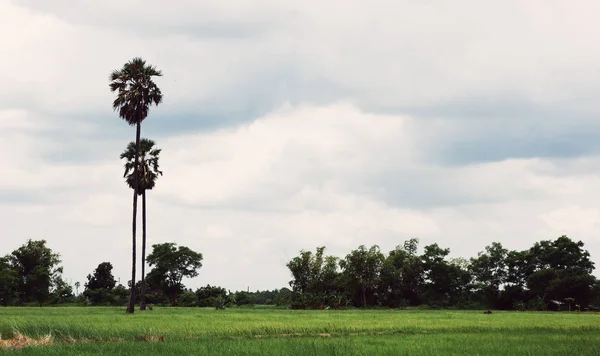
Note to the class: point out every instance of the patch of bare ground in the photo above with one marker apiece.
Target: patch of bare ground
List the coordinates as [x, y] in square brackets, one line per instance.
[152, 338]
[291, 335]
[19, 341]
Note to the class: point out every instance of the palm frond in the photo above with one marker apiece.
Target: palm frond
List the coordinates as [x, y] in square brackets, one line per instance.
[136, 91]
[148, 167]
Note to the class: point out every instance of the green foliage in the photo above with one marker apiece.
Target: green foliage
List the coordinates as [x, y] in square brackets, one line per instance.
[315, 276]
[102, 277]
[37, 268]
[187, 299]
[362, 269]
[207, 296]
[100, 284]
[136, 90]
[9, 281]
[61, 292]
[220, 303]
[170, 264]
[496, 278]
[148, 166]
[490, 269]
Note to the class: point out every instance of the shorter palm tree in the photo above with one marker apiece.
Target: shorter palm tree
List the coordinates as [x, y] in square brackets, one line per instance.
[148, 174]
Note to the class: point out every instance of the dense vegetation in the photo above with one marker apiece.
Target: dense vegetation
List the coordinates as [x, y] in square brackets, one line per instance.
[548, 276]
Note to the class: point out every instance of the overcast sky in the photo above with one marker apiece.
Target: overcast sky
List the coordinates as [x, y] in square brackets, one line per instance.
[287, 125]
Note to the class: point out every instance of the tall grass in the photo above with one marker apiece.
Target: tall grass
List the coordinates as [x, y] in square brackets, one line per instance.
[351, 332]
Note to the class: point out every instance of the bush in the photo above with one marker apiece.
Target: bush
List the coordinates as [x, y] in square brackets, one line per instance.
[187, 299]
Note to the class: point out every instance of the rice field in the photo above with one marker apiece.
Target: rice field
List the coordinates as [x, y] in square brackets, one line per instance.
[261, 331]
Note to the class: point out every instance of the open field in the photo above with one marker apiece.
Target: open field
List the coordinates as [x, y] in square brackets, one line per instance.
[83, 331]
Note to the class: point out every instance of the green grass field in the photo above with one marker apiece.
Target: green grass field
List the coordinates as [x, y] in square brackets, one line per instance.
[195, 331]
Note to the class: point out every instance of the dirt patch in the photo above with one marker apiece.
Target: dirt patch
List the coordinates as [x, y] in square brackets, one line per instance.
[19, 341]
[152, 338]
[292, 335]
[325, 335]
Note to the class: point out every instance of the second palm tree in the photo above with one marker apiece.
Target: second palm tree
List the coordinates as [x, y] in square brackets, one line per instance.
[148, 174]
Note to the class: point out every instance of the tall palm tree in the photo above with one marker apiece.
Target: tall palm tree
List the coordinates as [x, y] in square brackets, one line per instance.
[136, 92]
[148, 174]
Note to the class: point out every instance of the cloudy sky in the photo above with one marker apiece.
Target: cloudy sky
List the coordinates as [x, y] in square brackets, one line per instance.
[292, 124]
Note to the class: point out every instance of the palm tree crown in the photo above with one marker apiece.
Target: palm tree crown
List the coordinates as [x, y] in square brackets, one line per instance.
[136, 90]
[147, 167]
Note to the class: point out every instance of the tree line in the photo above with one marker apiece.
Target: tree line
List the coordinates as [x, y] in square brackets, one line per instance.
[549, 275]
[32, 275]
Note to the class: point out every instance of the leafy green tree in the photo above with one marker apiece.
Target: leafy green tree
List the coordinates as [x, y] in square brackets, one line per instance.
[9, 280]
[119, 294]
[445, 283]
[207, 296]
[99, 285]
[148, 174]
[170, 265]
[362, 269]
[102, 277]
[315, 277]
[313, 272]
[562, 269]
[136, 92]
[61, 291]
[188, 299]
[402, 276]
[244, 298]
[520, 265]
[489, 268]
[284, 297]
[36, 266]
[560, 254]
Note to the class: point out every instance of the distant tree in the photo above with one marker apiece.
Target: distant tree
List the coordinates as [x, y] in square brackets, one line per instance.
[313, 273]
[207, 296]
[244, 298]
[100, 284]
[148, 174]
[170, 265]
[489, 268]
[9, 281]
[562, 269]
[315, 277]
[188, 299]
[102, 277]
[402, 276]
[61, 291]
[136, 92]
[284, 297]
[445, 283]
[120, 293]
[36, 266]
[362, 269]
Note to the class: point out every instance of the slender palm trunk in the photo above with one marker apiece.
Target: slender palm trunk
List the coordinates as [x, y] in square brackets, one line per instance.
[131, 306]
[143, 296]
